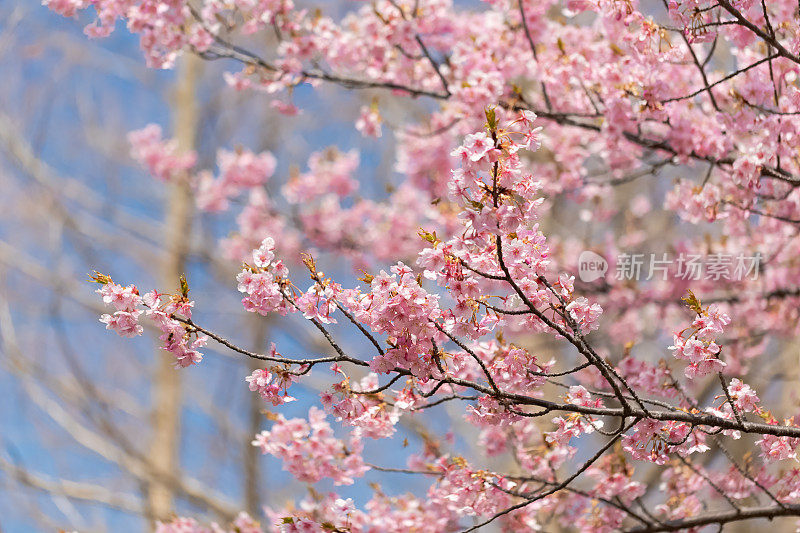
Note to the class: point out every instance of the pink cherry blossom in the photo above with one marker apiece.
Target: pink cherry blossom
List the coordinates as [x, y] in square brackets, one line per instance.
[161, 158]
[584, 314]
[369, 122]
[743, 396]
[310, 451]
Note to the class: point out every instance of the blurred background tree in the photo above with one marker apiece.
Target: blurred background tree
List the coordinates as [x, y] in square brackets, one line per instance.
[82, 442]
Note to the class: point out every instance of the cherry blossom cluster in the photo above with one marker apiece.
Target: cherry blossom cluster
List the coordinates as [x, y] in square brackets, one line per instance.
[465, 490]
[319, 196]
[359, 405]
[170, 314]
[165, 27]
[160, 157]
[391, 514]
[263, 281]
[310, 451]
[612, 475]
[369, 122]
[272, 384]
[655, 442]
[239, 171]
[699, 348]
[242, 524]
[399, 307]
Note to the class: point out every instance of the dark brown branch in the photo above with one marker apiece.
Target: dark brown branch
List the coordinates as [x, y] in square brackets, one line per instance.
[721, 518]
[769, 39]
[531, 499]
[723, 80]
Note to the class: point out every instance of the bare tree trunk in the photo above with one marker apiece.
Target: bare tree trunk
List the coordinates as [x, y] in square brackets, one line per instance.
[251, 471]
[166, 392]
